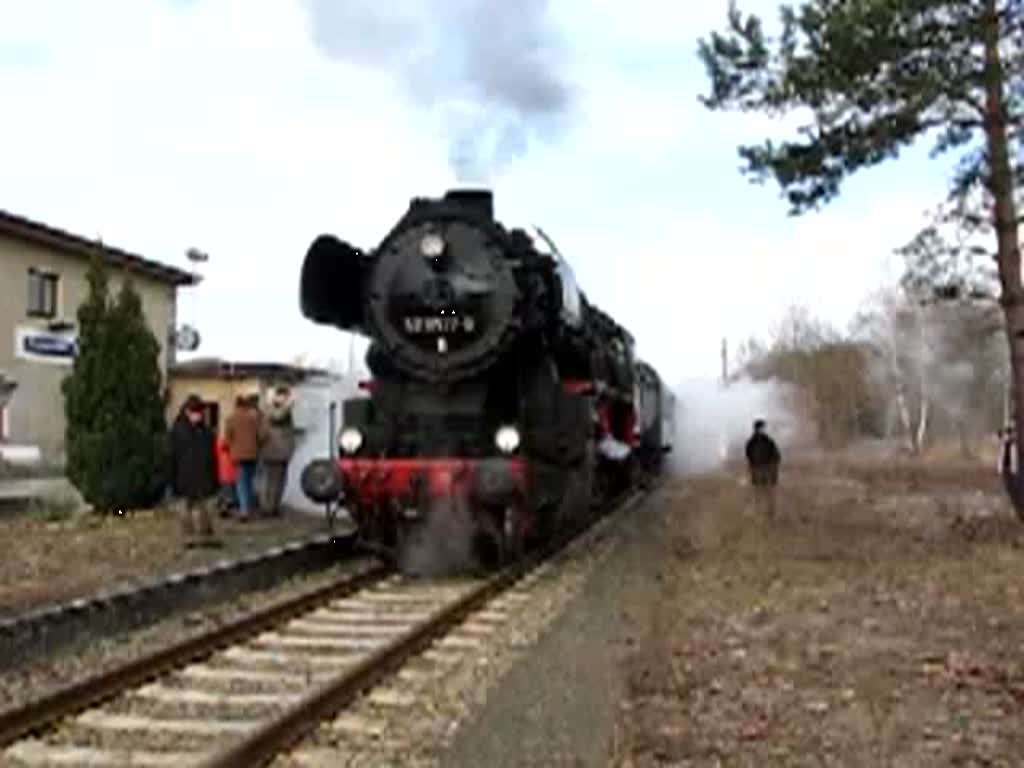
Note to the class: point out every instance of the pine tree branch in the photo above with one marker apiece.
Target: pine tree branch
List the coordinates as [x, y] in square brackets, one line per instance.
[875, 77]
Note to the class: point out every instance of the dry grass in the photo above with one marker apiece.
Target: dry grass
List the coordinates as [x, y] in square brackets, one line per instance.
[53, 559]
[876, 622]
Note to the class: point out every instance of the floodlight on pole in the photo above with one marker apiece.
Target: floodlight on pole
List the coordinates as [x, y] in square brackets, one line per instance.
[197, 256]
[186, 337]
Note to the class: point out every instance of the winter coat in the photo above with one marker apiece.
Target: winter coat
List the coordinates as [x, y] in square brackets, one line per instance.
[227, 472]
[192, 462]
[245, 433]
[762, 451]
[280, 443]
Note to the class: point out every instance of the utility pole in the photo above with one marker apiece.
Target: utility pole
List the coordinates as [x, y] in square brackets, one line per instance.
[725, 361]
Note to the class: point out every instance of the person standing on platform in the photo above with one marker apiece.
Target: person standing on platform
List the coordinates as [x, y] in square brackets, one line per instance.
[192, 473]
[245, 434]
[278, 449]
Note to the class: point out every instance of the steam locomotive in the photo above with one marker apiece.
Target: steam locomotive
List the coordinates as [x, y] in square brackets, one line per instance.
[500, 396]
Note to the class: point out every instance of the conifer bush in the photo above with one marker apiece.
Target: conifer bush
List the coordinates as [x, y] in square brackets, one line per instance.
[114, 401]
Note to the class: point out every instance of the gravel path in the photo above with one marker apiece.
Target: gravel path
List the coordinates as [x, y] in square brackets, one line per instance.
[109, 551]
[557, 705]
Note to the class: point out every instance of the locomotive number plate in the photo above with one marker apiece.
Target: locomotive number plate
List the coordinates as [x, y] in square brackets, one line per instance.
[436, 324]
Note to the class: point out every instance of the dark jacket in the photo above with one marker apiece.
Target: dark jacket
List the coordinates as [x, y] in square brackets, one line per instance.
[192, 460]
[762, 451]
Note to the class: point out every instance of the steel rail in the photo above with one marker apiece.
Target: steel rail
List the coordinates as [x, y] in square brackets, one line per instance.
[278, 735]
[281, 733]
[68, 700]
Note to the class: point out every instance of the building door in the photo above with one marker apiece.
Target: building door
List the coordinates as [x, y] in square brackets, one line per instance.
[211, 415]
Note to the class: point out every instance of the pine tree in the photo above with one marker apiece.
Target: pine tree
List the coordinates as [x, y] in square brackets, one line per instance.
[114, 402]
[83, 388]
[874, 77]
[140, 395]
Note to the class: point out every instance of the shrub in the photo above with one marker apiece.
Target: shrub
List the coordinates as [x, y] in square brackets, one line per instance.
[114, 401]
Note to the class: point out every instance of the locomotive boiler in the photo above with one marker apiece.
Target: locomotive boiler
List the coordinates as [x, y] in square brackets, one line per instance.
[500, 397]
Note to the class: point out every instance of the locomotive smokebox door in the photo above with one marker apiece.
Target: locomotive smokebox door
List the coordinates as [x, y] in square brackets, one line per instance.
[442, 296]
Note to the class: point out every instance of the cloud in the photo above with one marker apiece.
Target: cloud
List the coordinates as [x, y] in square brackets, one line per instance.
[162, 126]
[491, 72]
[682, 285]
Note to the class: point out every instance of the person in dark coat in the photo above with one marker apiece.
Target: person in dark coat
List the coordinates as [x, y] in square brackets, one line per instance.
[763, 459]
[192, 473]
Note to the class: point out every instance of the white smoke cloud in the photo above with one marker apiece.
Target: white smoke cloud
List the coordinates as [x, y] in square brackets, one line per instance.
[491, 72]
[713, 421]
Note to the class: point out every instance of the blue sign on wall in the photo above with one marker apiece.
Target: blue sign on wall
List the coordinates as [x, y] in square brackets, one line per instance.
[37, 344]
[50, 346]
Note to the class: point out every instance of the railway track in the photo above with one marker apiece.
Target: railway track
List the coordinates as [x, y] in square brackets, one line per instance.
[39, 633]
[248, 692]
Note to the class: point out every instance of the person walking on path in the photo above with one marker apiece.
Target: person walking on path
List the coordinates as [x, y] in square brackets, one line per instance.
[763, 459]
[278, 449]
[245, 434]
[192, 473]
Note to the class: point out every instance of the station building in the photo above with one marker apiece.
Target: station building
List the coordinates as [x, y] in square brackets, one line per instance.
[218, 382]
[42, 283]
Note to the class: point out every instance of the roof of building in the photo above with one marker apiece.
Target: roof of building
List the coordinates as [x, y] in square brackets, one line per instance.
[21, 228]
[213, 367]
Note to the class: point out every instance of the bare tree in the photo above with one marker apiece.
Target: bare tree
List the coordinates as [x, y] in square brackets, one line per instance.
[828, 372]
[903, 348]
[938, 363]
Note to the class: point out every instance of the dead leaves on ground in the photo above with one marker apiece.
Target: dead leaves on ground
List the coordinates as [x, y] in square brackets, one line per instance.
[892, 648]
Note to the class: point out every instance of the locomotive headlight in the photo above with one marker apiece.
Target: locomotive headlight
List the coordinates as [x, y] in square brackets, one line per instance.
[507, 439]
[432, 245]
[350, 440]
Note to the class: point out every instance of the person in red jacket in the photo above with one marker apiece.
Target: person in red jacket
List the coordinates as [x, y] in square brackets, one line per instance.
[227, 476]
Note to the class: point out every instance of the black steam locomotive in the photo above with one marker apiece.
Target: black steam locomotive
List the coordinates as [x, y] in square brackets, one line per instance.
[499, 395]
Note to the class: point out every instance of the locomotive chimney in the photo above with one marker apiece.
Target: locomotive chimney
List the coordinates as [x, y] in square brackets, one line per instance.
[480, 201]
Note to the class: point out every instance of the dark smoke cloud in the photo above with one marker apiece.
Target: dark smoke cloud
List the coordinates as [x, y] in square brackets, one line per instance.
[491, 70]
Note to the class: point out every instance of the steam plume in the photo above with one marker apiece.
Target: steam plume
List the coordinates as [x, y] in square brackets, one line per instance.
[490, 70]
[442, 545]
[714, 421]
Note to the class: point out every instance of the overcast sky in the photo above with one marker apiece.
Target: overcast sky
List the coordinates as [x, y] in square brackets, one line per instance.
[246, 128]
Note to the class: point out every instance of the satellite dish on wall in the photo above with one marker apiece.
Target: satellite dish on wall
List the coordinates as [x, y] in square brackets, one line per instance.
[186, 339]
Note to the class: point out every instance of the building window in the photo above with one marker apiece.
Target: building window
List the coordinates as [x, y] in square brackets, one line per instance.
[42, 293]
